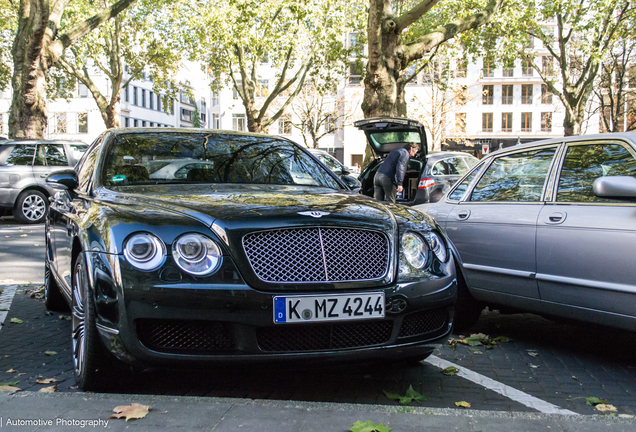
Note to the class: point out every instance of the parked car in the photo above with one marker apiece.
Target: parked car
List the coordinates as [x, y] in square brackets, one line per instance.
[23, 167]
[264, 256]
[338, 168]
[548, 227]
[428, 175]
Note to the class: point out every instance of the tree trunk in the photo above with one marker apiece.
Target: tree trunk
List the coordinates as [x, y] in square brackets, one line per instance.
[29, 112]
[111, 116]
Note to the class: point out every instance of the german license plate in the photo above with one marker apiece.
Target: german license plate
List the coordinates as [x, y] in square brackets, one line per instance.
[333, 307]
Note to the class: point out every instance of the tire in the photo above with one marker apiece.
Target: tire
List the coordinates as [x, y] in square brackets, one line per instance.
[90, 360]
[31, 207]
[467, 309]
[53, 298]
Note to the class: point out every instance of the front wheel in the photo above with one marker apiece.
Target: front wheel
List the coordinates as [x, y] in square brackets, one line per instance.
[31, 207]
[89, 357]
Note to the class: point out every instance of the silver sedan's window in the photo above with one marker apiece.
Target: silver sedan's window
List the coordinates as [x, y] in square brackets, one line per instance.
[585, 163]
[517, 177]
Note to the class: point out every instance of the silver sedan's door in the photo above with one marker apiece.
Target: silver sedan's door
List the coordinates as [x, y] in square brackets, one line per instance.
[495, 228]
[586, 244]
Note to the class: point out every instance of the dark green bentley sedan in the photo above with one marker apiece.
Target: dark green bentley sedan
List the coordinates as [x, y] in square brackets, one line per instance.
[184, 246]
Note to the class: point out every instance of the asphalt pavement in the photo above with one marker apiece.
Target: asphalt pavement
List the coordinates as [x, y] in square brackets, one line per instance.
[539, 367]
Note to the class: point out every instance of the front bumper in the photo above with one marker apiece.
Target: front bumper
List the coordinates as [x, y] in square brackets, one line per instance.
[150, 322]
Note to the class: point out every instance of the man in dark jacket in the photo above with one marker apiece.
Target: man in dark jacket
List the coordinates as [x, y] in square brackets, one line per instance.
[388, 180]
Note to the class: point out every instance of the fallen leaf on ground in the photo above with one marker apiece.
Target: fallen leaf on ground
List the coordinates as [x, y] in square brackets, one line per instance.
[11, 370]
[50, 353]
[51, 389]
[45, 380]
[606, 408]
[369, 426]
[501, 339]
[8, 388]
[10, 384]
[533, 353]
[23, 235]
[475, 350]
[16, 320]
[132, 411]
[411, 395]
[451, 370]
[36, 244]
[64, 317]
[594, 401]
[463, 404]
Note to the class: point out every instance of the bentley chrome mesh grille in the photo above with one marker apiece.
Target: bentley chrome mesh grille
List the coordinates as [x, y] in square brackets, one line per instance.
[317, 254]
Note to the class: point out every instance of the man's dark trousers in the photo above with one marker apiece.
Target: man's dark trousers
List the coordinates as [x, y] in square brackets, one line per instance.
[383, 188]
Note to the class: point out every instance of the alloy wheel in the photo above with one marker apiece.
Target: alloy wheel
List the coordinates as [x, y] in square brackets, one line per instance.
[33, 207]
[79, 321]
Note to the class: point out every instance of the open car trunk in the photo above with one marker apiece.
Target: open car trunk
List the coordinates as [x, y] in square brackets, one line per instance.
[385, 134]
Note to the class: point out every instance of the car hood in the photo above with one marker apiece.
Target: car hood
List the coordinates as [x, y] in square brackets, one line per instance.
[239, 207]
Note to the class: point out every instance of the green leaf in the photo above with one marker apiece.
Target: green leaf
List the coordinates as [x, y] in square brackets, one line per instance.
[502, 339]
[473, 341]
[451, 370]
[11, 384]
[391, 396]
[369, 426]
[415, 395]
[594, 401]
[16, 320]
[405, 400]
[50, 353]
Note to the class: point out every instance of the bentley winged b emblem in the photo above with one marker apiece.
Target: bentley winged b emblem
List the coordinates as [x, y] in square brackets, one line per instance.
[314, 213]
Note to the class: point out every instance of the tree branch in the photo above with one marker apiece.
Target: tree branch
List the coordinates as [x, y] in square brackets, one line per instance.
[413, 15]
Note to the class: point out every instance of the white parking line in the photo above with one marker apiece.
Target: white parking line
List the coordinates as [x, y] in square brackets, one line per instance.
[6, 297]
[502, 389]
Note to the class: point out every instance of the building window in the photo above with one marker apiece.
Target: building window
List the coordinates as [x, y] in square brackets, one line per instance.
[284, 126]
[151, 100]
[185, 98]
[186, 114]
[204, 105]
[143, 98]
[508, 69]
[82, 90]
[216, 121]
[488, 92]
[488, 69]
[526, 68]
[461, 95]
[460, 71]
[486, 122]
[262, 89]
[59, 123]
[547, 67]
[239, 122]
[355, 73]
[215, 99]
[506, 94]
[546, 95]
[330, 123]
[134, 89]
[546, 122]
[506, 122]
[235, 93]
[526, 94]
[143, 123]
[460, 122]
[158, 103]
[526, 122]
[126, 95]
[82, 123]
[126, 122]
[135, 122]
[354, 46]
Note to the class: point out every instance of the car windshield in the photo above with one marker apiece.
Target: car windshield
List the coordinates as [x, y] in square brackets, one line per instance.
[181, 157]
[380, 138]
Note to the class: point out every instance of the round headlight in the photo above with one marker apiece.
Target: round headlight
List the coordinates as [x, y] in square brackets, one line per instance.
[415, 249]
[196, 254]
[438, 247]
[145, 251]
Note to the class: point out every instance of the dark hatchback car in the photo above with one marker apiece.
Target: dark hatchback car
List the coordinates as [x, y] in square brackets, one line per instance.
[548, 227]
[259, 254]
[428, 175]
[24, 166]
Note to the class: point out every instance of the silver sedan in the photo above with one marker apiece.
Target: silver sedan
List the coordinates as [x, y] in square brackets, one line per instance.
[548, 227]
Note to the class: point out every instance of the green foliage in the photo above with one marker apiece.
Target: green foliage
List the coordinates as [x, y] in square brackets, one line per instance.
[196, 117]
[450, 371]
[592, 401]
[8, 23]
[369, 426]
[411, 395]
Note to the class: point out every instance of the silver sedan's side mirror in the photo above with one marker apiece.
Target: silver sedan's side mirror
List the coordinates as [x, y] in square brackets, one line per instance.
[615, 187]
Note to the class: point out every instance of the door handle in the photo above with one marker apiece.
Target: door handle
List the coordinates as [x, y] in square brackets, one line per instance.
[557, 217]
[463, 214]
